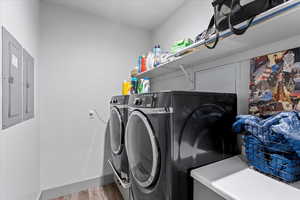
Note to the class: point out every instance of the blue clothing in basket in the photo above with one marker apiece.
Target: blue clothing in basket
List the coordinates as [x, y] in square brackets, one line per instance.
[289, 128]
[276, 139]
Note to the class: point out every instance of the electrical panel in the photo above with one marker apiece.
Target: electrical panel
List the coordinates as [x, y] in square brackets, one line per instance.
[28, 86]
[11, 80]
[17, 82]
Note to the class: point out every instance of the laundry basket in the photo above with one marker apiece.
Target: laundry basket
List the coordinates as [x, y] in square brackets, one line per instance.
[270, 159]
[272, 144]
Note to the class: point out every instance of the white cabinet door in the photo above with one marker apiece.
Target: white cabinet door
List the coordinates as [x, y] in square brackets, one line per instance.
[220, 79]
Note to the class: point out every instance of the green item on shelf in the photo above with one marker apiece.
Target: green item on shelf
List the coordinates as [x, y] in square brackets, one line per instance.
[177, 46]
[140, 86]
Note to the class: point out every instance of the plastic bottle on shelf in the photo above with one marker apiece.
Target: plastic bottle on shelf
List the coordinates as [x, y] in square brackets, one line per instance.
[134, 85]
[146, 85]
[143, 66]
[150, 60]
[158, 50]
[140, 86]
[157, 53]
[126, 87]
[140, 64]
[155, 56]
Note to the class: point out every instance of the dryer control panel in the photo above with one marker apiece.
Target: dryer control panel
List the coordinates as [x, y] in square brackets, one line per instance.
[144, 101]
[150, 100]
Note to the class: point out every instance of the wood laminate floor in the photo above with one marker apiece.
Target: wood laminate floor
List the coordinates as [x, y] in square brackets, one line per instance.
[108, 192]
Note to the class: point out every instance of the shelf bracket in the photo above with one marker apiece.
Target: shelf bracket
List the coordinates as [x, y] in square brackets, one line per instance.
[187, 75]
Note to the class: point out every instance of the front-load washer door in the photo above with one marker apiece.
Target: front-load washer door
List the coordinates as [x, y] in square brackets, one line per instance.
[116, 131]
[142, 149]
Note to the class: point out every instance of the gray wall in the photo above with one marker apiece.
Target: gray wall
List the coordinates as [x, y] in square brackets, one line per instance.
[19, 145]
[84, 60]
[187, 22]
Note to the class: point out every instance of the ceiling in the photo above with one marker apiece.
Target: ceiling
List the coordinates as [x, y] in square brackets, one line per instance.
[140, 13]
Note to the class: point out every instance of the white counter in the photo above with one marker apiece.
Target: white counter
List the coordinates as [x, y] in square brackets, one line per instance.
[232, 179]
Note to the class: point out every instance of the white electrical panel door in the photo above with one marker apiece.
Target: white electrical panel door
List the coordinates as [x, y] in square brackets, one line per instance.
[11, 80]
[28, 86]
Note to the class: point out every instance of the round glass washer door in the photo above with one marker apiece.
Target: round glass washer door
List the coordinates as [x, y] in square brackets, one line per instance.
[116, 131]
[142, 149]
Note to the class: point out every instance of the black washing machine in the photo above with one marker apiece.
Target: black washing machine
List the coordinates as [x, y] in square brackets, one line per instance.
[117, 125]
[168, 134]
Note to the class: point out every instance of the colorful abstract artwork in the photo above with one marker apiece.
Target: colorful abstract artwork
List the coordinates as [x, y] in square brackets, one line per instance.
[275, 83]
